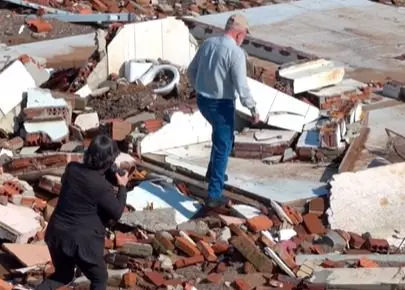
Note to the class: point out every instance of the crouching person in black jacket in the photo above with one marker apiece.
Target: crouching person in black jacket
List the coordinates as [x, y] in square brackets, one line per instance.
[87, 201]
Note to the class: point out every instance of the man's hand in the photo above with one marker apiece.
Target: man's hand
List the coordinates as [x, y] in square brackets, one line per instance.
[255, 119]
[122, 180]
[255, 116]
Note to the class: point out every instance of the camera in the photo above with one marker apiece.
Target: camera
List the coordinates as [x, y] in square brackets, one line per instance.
[116, 170]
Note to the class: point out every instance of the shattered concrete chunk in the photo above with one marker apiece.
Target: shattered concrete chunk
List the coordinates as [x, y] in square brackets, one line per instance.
[137, 250]
[18, 224]
[87, 121]
[198, 227]
[151, 220]
[225, 234]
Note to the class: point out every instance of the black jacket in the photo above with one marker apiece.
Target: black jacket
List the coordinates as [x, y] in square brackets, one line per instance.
[87, 202]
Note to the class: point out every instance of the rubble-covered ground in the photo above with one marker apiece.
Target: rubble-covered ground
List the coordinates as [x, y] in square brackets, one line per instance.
[166, 239]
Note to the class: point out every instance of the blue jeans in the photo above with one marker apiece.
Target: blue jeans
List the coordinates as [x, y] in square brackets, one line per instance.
[220, 114]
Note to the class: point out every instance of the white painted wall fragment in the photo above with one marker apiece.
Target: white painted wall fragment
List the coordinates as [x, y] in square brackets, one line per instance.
[87, 121]
[312, 75]
[372, 200]
[278, 109]
[56, 130]
[18, 223]
[14, 81]
[183, 129]
[168, 39]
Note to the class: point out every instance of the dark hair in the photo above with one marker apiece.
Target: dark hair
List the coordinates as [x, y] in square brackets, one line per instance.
[101, 153]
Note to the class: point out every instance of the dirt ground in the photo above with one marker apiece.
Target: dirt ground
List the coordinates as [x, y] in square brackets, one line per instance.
[11, 23]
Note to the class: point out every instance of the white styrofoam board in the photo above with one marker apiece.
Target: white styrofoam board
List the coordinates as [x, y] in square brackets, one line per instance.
[278, 109]
[14, 81]
[40, 98]
[183, 129]
[163, 195]
[372, 200]
[167, 39]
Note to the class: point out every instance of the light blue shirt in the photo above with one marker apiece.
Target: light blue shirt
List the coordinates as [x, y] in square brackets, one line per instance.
[218, 70]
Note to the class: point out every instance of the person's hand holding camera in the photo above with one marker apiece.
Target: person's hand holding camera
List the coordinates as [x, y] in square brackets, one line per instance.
[122, 180]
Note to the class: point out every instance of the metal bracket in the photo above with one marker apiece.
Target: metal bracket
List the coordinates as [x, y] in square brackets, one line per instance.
[95, 17]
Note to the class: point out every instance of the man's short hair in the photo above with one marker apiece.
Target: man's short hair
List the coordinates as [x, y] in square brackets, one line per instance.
[237, 22]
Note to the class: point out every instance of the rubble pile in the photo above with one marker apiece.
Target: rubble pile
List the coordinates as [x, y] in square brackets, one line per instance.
[166, 239]
[124, 99]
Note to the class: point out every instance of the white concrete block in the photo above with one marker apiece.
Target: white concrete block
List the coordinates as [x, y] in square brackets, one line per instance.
[312, 75]
[18, 223]
[372, 200]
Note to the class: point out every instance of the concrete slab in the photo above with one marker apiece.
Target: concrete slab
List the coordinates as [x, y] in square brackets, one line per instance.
[312, 75]
[346, 85]
[375, 194]
[284, 182]
[380, 119]
[363, 277]
[162, 195]
[302, 258]
[342, 30]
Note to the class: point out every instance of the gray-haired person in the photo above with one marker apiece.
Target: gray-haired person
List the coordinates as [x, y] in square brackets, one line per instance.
[217, 72]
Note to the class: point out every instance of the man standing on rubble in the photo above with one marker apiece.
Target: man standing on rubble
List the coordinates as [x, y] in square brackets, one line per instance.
[76, 231]
[217, 71]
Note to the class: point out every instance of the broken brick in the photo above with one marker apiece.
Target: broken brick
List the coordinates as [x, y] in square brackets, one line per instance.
[155, 277]
[172, 282]
[129, 280]
[162, 244]
[11, 187]
[251, 253]
[332, 264]
[215, 278]
[185, 246]
[377, 245]
[356, 241]
[228, 220]
[259, 223]
[5, 285]
[185, 262]
[221, 267]
[122, 239]
[248, 268]
[207, 251]
[241, 284]
[220, 248]
[39, 25]
[313, 224]
[239, 232]
[108, 244]
[316, 206]
[295, 217]
[367, 263]
[13, 144]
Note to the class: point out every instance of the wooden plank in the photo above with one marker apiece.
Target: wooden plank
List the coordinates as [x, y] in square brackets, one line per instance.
[355, 147]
